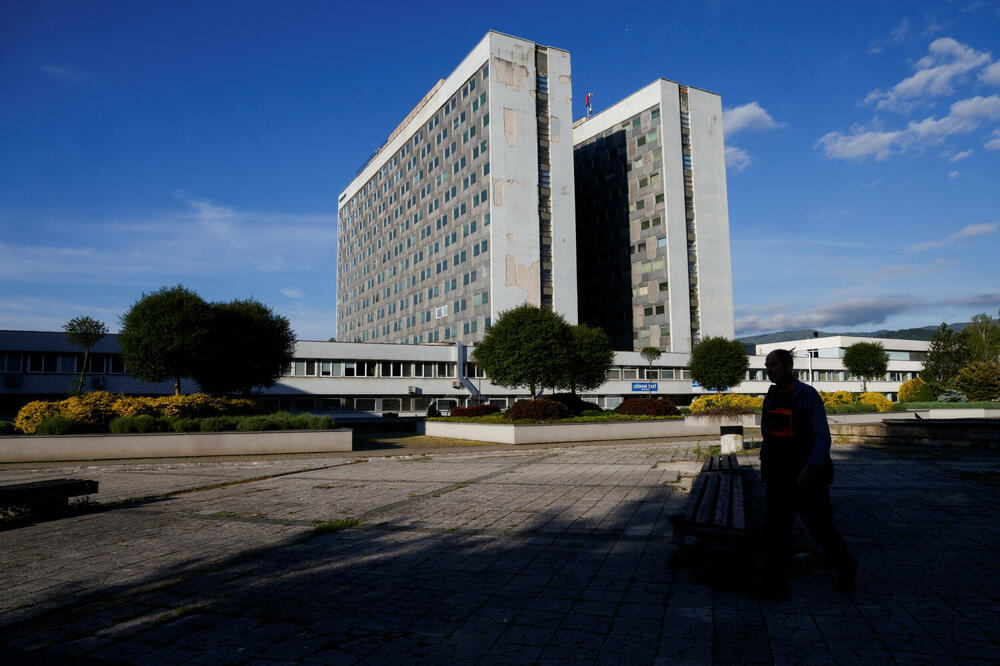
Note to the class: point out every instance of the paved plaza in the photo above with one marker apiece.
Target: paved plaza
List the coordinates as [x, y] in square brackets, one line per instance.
[555, 554]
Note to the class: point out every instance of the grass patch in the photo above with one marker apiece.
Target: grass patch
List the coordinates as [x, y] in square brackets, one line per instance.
[327, 526]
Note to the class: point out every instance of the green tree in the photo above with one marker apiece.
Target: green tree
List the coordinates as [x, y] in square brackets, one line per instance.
[946, 356]
[165, 335]
[590, 358]
[650, 354]
[86, 332]
[248, 347]
[982, 338]
[718, 363]
[526, 346]
[980, 380]
[867, 360]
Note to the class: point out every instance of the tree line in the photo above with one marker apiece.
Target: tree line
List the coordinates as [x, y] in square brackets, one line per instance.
[228, 348]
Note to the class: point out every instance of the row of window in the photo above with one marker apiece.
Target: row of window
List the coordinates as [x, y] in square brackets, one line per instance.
[54, 362]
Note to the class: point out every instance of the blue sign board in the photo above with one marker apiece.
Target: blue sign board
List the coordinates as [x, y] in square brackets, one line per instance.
[644, 386]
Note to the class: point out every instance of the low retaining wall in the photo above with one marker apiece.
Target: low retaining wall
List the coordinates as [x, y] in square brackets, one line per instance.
[945, 432]
[41, 448]
[708, 421]
[548, 433]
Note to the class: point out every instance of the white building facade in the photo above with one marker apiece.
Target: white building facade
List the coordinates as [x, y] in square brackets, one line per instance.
[652, 219]
[467, 210]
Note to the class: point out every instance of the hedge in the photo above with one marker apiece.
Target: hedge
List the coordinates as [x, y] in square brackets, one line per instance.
[712, 400]
[95, 411]
[474, 410]
[536, 410]
[647, 407]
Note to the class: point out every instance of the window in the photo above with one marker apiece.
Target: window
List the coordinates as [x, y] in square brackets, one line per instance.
[661, 241]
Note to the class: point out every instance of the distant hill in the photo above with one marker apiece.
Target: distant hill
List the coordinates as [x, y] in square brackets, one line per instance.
[922, 333]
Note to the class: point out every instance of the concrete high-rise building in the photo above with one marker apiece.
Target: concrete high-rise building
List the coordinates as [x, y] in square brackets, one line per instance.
[652, 219]
[467, 210]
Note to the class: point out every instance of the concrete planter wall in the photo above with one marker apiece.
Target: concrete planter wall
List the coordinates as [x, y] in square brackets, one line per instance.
[39, 448]
[546, 433]
[964, 413]
[709, 421]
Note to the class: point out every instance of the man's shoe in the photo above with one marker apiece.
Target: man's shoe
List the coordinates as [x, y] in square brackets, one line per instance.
[846, 577]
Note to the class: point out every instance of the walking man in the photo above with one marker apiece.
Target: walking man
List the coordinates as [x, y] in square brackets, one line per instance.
[797, 472]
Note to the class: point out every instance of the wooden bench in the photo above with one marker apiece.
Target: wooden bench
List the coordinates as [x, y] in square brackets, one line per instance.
[45, 496]
[715, 512]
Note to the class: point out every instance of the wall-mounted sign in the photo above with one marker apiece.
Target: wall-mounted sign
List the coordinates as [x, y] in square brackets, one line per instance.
[644, 386]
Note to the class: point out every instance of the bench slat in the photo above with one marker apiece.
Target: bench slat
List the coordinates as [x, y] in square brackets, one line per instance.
[707, 507]
[694, 498]
[721, 518]
[739, 512]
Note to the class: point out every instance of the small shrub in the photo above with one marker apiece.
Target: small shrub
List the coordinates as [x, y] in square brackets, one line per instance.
[254, 423]
[929, 392]
[910, 391]
[573, 402]
[7, 428]
[185, 425]
[980, 381]
[474, 410]
[647, 407]
[591, 412]
[218, 423]
[953, 395]
[311, 422]
[59, 425]
[34, 413]
[146, 423]
[882, 403]
[536, 410]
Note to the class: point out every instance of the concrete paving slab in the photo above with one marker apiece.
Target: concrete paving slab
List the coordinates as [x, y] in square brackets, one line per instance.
[559, 553]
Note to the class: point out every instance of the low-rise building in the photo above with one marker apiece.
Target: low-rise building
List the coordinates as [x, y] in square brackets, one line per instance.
[374, 378]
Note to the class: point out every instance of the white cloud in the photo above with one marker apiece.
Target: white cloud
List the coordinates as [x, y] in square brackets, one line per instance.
[991, 75]
[964, 116]
[970, 231]
[994, 142]
[954, 174]
[292, 292]
[960, 156]
[66, 74]
[874, 183]
[858, 144]
[947, 62]
[850, 312]
[750, 116]
[737, 158]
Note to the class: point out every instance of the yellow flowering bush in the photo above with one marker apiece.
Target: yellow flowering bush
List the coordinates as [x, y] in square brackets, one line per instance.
[95, 410]
[130, 405]
[878, 400]
[709, 400]
[838, 398]
[34, 413]
[910, 391]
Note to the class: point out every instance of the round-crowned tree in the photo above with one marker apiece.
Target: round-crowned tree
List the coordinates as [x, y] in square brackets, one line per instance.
[718, 363]
[164, 335]
[248, 347]
[526, 346]
[867, 360]
[590, 358]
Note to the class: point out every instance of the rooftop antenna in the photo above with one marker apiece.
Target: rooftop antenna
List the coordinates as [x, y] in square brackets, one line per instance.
[587, 100]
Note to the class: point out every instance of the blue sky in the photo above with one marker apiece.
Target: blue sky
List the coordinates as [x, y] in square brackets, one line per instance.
[205, 143]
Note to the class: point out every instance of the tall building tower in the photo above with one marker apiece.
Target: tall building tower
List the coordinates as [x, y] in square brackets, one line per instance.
[652, 219]
[467, 210]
